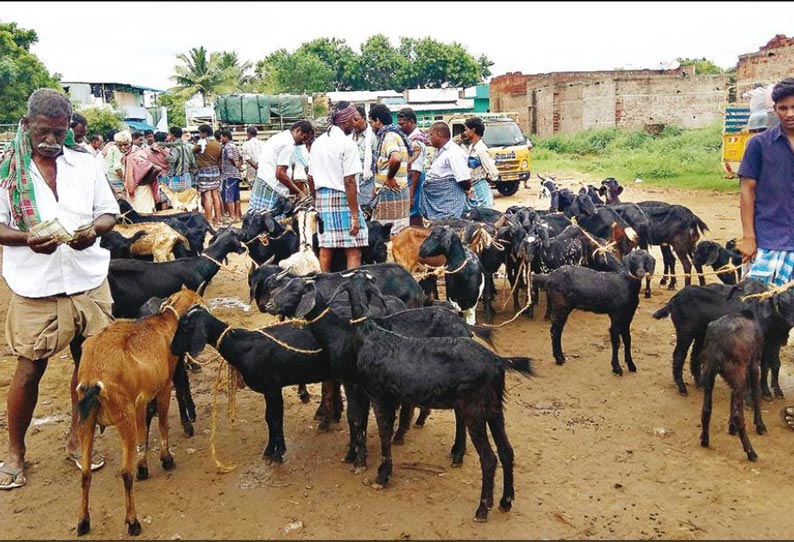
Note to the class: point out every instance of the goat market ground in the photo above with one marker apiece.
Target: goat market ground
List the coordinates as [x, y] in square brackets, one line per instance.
[597, 456]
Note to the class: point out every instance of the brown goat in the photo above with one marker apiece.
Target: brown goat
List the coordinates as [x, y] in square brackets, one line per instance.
[158, 242]
[732, 348]
[123, 368]
[405, 249]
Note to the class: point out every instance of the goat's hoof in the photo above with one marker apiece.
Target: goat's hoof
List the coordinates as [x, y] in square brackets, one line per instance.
[398, 440]
[134, 528]
[632, 368]
[168, 462]
[419, 424]
[276, 458]
[188, 429]
[663, 281]
[671, 286]
[704, 443]
[380, 481]
[647, 295]
[83, 527]
[505, 504]
[305, 397]
[767, 396]
[752, 456]
[559, 361]
[143, 473]
[618, 371]
[324, 426]
[481, 515]
[457, 461]
[350, 456]
[779, 393]
[376, 485]
[359, 469]
[760, 429]
[682, 390]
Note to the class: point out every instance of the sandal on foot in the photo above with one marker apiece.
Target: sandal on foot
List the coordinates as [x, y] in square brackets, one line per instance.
[787, 415]
[97, 461]
[18, 478]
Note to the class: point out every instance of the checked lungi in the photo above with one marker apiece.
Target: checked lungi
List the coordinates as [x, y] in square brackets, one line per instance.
[177, 183]
[483, 196]
[208, 178]
[772, 267]
[262, 198]
[442, 198]
[394, 207]
[331, 206]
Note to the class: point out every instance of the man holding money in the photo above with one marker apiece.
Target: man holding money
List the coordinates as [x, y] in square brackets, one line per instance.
[54, 203]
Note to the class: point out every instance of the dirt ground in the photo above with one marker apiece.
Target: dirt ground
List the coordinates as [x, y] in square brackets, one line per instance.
[597, 456]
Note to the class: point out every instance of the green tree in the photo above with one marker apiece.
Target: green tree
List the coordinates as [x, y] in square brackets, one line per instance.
[21, 72]
[379, 66]
[298, 72]
[338, 56]
[102, 119]
[702, 66]
[228, 63]
[200, 73]
[431, 64]
[175, 107]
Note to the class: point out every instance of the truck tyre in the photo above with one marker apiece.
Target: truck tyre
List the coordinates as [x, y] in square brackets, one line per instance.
[507, 188]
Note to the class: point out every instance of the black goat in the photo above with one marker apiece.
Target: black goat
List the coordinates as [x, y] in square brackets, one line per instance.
[678, 227]
[591, 192]
[715, 255]
[694, 307]
[464, 277]
[309, 298]
[133, 282]
[610, 189]
[118, 245]
[268, 360]
[449, 373]
[561, 198]
[193, 226]
[267, 239]
[732, 348]
[599, 221]
[616, 294]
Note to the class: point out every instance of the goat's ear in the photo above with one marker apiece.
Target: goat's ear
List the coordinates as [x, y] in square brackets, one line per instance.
[620, 190]
[387, 229]
[308, 300]
[602, 190]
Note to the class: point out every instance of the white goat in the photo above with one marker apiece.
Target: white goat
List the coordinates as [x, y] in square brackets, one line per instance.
[303, 262]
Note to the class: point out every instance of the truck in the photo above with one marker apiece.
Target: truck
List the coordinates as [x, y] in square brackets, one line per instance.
[734, 137]
[506, 143]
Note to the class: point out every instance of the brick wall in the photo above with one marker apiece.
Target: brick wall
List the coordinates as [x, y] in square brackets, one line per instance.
[771, 63]
[570, 102]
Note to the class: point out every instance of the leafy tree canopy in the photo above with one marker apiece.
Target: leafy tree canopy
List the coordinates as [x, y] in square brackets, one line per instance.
[21, 72]
[702, 66]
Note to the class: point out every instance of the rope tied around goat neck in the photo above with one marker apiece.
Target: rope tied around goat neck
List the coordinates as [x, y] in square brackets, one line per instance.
[440, 271]
[772, 291]
[224, 266]
[603, 249]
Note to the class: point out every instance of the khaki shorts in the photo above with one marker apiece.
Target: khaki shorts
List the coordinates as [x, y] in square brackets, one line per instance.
[38, 328]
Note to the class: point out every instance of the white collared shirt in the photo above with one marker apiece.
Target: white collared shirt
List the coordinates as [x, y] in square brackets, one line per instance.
[84, 194]
[450, 161]
[419, 163]
[276, 151]
[334, 156]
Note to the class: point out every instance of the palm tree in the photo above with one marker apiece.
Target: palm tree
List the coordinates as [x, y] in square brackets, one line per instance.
[229, 63]
[201, 74]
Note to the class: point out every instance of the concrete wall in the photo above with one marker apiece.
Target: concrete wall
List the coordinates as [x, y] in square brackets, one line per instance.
[771, 63]
[570, 102]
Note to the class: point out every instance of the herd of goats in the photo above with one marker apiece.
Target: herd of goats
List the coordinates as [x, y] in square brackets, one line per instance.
[382, 332]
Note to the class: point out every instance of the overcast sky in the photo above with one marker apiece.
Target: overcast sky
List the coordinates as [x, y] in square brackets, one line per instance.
[136, 42]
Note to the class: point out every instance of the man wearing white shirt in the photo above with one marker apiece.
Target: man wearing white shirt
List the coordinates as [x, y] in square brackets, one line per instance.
[449, 178]
[365, 139]
[333, 166]
[272, 179]
[251, 150]
[59, 291]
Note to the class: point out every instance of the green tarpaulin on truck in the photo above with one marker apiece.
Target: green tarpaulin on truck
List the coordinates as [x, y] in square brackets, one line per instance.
[257, 108]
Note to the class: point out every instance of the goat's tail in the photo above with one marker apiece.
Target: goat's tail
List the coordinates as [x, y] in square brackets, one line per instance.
[664, 312]
[90, 399]
[521, 365]
[484, 333]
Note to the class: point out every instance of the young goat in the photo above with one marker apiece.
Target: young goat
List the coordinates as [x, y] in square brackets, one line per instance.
[613, 293]
[122, 368]
[444, 373]
[268, 360]
[714, 255]
[464, 277]
[732, 348]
